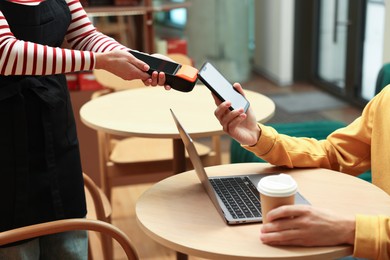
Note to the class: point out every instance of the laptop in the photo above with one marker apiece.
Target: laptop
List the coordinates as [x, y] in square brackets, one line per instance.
[235, 197]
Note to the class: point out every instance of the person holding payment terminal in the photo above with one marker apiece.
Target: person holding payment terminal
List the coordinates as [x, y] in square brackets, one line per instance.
[41, 172]
[353, 149]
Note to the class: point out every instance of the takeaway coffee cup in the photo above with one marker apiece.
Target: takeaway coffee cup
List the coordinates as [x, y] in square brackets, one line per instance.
[276, 191]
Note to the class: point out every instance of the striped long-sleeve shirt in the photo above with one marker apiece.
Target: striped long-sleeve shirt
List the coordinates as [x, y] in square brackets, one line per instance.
[18, 57]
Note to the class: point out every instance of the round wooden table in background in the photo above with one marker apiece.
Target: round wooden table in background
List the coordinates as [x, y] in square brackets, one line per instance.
[144, 112]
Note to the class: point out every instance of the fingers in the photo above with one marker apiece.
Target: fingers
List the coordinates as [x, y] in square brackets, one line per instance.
[288, 212]
[227, 118]
[238, 87]
[284, 231]
[286, 237]
[157, 79]
[217, 101]
[138, 63]
[160, 79]
[285, 218]
[167, 87]
[152, 80]
[295, 225]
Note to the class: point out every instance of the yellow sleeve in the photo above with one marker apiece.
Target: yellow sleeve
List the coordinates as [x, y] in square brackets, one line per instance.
[283, 150]
[347, 149]
[372, 237]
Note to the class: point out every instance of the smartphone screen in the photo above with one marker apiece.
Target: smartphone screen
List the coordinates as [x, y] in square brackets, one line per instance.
[221, 87]
[157, 64]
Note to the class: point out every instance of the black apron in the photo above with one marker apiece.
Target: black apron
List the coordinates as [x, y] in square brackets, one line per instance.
[40, 169]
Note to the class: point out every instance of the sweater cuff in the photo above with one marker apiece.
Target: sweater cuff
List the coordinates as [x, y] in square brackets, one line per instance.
[265, 143]
[366, 237]
[92, 63]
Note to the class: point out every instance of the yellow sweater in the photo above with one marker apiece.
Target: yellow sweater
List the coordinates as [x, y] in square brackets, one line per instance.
[348, 150]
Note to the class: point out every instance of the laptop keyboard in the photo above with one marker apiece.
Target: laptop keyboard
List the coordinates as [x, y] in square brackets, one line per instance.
[239, 195]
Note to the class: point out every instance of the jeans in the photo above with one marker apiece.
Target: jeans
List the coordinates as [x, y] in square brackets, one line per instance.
[72, 245]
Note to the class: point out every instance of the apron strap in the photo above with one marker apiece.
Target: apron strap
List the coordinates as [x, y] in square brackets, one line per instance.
[20, 127]
[51, 164]
[21, 167]
[49, 102]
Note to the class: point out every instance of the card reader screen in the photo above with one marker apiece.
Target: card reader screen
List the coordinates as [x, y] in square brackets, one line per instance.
[157, 64]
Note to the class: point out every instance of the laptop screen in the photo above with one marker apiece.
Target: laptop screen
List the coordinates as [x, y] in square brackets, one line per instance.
[196, 161]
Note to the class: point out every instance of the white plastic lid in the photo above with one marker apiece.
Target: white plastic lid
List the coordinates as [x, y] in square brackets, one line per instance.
[281, 185]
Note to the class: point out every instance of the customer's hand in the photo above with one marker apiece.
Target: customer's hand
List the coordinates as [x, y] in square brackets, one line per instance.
[125, 65]
[303, 225]
[239, 125]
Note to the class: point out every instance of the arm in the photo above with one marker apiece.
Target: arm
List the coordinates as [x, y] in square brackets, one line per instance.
[108, 53]
[347, 149]
[18, 57]
[89, 49]
[307, 226]
[372, 237]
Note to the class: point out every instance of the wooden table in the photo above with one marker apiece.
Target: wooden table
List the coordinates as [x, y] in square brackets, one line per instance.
[144, 112]
[178, 214]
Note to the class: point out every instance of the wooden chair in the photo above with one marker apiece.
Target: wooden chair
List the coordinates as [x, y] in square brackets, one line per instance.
[99, 208]
[181, 58]
[98, 220]
[121, 160]
[59, 226]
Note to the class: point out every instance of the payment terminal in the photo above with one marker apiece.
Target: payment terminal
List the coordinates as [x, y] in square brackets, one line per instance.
[178, 76]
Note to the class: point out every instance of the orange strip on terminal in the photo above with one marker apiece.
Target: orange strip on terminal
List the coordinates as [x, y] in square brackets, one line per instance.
[188, 73]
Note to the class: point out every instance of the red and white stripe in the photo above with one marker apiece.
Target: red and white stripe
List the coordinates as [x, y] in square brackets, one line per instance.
[19, 57]
[26, 2]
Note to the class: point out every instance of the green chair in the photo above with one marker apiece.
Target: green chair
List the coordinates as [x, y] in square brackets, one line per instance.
[314, 129]
[383, 78]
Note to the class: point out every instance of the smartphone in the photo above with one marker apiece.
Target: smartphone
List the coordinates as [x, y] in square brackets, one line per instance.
[157, 64]
[221, 87]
